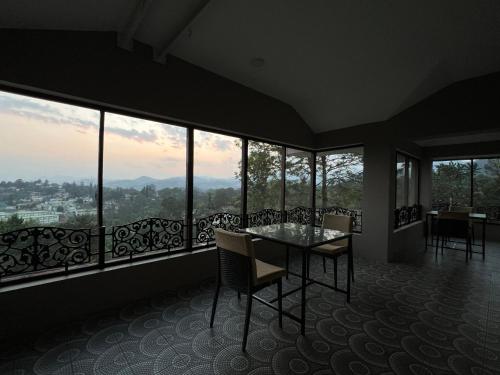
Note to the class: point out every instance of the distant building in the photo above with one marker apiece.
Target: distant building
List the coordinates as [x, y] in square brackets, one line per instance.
[41, 217]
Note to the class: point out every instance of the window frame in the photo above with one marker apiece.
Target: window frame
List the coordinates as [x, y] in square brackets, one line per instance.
[189, 219]
[407, 157]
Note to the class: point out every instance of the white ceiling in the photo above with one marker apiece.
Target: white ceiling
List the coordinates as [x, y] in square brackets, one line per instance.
[338, 63]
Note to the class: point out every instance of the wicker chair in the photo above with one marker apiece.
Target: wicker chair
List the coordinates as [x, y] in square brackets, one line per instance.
[239, 270]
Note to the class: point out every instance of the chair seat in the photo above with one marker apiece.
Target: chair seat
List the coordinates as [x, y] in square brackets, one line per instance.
[267, 272]
[330, 249]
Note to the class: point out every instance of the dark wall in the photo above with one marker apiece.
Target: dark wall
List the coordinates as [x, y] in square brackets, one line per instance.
[464, 150]
[88, 65]
[465, 107]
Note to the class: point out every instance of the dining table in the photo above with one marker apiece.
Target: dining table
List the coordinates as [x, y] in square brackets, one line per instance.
[304, 238]
[473, 217]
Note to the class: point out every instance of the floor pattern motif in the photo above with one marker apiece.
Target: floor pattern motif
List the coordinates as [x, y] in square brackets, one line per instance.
[439, 316]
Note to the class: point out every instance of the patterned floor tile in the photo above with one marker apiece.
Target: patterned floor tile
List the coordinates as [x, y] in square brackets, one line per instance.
[433, 316]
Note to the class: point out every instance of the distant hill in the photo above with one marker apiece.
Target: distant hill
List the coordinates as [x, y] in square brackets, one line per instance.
[200, 182]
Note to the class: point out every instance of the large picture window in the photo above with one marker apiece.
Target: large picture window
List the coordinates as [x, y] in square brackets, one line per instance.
[48, 164]
[84, 188]
[407, 181]
[217, 182]
[264, 176]
[298, 179]
[471, 183]
[451, 184]
[144, 170]
[339, 178]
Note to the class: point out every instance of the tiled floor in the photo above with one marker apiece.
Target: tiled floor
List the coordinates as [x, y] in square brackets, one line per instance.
[440, 316]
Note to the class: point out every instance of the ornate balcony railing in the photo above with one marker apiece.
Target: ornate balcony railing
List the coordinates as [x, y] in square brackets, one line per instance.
[31, 250]
[407, 215]
[147, 235]
[266, 216]
[39, 252]
[356, 214]
[204, 227]
[300, 215]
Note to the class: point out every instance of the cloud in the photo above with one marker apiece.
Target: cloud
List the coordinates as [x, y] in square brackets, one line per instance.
[139, 136]
[48, 111]
[222, 144]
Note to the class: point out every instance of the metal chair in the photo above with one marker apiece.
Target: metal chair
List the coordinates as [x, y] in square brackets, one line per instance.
[336, 249]
[238, 269]
[454, 225]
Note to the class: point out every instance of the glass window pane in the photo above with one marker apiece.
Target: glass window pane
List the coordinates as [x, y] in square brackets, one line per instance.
[298, 179]
[412, 182]
[144, 170]
[264, 176]
[487, 187]
[339, 178]
[217, 182]
[400, 181]
[451, 185]
[48, 164]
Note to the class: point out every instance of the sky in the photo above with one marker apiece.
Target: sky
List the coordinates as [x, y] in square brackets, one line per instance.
[45, 139]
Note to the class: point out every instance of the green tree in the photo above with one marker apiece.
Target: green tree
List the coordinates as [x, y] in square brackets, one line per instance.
[14, 223]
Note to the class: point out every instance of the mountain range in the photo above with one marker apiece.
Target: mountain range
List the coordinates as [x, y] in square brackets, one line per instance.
[200, 182]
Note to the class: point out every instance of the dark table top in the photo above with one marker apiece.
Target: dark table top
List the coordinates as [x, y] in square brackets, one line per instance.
[298, 235]
[472, 215]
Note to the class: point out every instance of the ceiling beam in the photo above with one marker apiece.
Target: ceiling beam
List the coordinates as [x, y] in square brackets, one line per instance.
[161, 54]
[126, 36]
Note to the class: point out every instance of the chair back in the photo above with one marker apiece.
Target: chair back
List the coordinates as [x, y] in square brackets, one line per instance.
[236, 258]
[342, 223]
[453, 224]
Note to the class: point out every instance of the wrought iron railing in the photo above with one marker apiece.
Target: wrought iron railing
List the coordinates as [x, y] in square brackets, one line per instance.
[146, 236]
[204, 227]
[38, 249]
[45, 251]
[266, 216]
[300, 215]
[356, 214]
[407, 215]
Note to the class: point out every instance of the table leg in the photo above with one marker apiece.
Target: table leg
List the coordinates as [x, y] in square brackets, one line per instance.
[303, 291]
[349, 265]
[483, 242]
[427, 231]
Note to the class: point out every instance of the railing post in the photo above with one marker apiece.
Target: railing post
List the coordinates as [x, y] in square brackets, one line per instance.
[102, 246]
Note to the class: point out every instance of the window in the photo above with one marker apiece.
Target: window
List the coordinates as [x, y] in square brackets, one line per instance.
[407, 181]
[217, 181]
[48, 164]
[486, 198]
[264, 176]
[298, 179]
[451, 184]
[339, 178]
[144, 170]
[467, 183]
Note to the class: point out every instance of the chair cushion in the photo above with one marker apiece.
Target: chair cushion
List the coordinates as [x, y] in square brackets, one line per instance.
[330, 249]
[267, 272]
